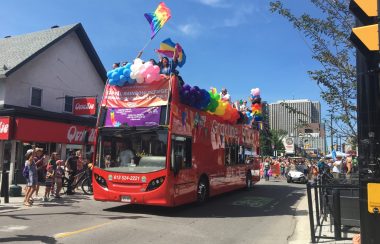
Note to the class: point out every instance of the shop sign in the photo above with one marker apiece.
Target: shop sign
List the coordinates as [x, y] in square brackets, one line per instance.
[84, 106]
[289, 145]
[47, 131]
[4, 128]
[76, 135]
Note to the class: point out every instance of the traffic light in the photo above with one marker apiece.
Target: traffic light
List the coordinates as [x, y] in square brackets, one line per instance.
[366, 37]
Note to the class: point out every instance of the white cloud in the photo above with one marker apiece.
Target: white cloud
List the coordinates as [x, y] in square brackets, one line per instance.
[190, 29]
[215, 3]
[240, 16]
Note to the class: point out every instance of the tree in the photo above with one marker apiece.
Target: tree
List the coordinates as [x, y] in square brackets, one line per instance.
[271, 140]
[276, 139]
[330, 46]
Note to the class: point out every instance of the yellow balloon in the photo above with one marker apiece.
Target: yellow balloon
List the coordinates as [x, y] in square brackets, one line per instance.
[220, 109]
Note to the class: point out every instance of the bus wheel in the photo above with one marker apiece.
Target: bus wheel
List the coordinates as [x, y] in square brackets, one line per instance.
[202, 191]
[248, 181]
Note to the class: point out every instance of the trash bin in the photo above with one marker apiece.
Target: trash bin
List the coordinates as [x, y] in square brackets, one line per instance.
[15, 191]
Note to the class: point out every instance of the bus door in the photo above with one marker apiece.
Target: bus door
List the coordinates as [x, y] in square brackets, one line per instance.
[185, 182]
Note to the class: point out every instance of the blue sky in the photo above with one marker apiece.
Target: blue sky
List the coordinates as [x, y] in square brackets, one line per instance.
[235, 44]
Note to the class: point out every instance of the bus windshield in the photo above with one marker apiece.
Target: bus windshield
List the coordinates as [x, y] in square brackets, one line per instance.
[132, 151]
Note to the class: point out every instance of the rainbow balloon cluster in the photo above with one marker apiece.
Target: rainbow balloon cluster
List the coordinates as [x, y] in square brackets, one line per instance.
[257, 110]
[208, 101]
[139, 72]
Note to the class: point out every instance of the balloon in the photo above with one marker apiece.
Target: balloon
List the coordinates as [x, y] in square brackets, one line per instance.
[115, 76]
[139, 78]
[221, 109]
[255, 92]
[149, 78]
[123, 78]
[186, 87]
[109, 74]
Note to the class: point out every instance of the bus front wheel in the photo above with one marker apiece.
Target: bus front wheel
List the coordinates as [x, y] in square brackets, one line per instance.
[202, 191]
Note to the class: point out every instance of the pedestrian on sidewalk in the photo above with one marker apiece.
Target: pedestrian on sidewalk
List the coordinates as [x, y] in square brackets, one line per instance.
[71, 165]
[39, 160]
[53, 162]
[266, 169]
[58, 178]
[30, 174]
[337, 167]
[48, 181]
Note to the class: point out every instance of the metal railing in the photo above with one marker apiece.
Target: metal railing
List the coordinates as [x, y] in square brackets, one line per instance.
[336, 198]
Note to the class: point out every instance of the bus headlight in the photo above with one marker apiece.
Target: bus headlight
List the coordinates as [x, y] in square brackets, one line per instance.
[155, 183]
[100, 180]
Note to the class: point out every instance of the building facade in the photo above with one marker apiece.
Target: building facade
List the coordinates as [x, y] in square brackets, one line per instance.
[40, 75]
[301, 119]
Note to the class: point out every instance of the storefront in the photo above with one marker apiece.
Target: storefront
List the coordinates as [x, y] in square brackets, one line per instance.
[18, 134]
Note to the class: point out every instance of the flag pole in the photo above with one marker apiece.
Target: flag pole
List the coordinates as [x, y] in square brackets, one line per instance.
[142, 50]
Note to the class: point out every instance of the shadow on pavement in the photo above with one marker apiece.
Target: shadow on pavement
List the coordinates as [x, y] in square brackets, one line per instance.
[264, 200]
[2, 208]
[29, 238]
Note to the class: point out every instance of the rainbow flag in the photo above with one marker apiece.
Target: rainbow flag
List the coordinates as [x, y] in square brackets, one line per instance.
[158, 18]
[168, 47]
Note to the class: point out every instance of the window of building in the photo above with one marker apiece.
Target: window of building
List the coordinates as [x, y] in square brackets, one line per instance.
[69, 104]
[36, 97]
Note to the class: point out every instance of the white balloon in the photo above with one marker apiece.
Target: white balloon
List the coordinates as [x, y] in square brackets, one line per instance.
[137, 61]
[133, 75]
[140, 79]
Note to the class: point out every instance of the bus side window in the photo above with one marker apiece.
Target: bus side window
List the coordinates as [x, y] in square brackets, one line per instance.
[182, 151]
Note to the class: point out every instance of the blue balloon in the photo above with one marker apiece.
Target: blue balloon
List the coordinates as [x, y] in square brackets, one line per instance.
[109, 74]
[126, 72]
[115, 76]
[123, 78]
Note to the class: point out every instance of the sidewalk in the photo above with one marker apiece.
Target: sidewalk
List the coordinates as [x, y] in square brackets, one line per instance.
[17, 203]
[301, 234]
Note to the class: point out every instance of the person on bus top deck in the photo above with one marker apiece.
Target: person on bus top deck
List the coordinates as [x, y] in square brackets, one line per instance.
[126, 156]
[168, 67]
[243, 107]
[224, 96]
[115, 65]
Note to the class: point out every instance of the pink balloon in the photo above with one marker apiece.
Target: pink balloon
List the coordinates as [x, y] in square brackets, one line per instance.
[149, 78]
[255, 92]
[156, 69]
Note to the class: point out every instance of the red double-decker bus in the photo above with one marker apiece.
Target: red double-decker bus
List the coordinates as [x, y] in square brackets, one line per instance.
[152, 149]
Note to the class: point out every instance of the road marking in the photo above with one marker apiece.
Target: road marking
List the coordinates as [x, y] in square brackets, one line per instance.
[10, 228]
[66, 234]
[253, 202]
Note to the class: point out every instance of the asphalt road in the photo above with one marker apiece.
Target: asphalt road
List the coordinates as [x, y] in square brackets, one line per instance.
[263, 215]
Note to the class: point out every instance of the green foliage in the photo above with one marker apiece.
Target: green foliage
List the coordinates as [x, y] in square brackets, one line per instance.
[272, 138]
[328, 38]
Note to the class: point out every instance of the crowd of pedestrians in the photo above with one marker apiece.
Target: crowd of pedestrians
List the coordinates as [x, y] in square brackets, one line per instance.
[279, 167]
[41, 170]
